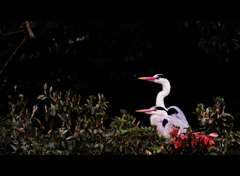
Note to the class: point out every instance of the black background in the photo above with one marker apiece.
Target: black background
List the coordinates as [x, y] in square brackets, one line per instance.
[111, 59]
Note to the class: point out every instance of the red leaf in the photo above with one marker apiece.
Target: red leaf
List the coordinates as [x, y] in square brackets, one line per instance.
[205, 140]
[174, 140]
[183, 144]
[20, 129]
[179, 132]
[193, 141]
[175, 132]
[177, 143]
[183, 136]
[213, 135]
[211, 141]
[201, 139]
[198, 134]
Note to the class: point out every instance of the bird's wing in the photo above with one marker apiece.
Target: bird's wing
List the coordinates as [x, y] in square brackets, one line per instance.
[180, 115]
[157, 120]
[176, 122]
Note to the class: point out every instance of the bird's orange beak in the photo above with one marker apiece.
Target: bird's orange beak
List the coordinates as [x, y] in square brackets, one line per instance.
[145, 110]
[147, 78]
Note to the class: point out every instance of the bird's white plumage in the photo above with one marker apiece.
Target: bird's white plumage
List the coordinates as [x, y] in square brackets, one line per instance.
[180, 115]
[157, 117]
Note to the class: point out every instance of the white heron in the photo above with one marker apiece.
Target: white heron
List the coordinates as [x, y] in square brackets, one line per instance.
[162, 120]
[172, 111]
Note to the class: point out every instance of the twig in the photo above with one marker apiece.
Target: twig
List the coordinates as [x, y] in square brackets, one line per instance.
[10, 33]
[29, 30]
[13, 54]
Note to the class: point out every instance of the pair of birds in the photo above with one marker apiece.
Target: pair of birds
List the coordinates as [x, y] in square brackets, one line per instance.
[161, 116]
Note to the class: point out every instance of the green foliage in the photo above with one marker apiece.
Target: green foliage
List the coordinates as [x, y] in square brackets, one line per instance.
[81, 131]
[216, 120]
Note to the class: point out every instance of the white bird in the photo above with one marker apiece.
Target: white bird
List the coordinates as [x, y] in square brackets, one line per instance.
[162, 120]
[173, 111]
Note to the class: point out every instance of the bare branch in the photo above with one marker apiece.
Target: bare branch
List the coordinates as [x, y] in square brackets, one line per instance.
[29, 30]
[13, 54]
[10, 33]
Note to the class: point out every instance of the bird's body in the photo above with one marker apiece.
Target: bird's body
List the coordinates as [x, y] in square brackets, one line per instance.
[162, 120]
[164, 117]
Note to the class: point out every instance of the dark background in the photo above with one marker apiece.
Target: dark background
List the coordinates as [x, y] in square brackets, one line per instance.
[200, 58]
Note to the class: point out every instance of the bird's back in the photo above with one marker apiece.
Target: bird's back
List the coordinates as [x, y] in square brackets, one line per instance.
[180, 115]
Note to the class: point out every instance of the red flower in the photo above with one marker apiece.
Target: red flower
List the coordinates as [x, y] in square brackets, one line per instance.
[171, 149]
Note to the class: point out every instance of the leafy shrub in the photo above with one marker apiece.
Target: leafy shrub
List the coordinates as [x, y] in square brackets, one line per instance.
[77, 129]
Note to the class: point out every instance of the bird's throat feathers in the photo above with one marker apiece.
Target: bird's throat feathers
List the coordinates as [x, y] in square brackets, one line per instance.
[162, 94]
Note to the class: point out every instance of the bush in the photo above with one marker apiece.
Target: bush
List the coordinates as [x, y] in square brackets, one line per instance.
[76, 129]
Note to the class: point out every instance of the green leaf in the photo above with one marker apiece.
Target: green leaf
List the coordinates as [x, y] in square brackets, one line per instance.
[70, 137]
[213, 153]
[114, 143]
[224, 118]
[81, 131]
[108, 142]
[203, 121]
[233, 140]
[41, 97]
[38, 121]
[210, 121]
[217, 139]
[14, 148]
[92, 110]
[99, 130]
[120, 148]
[64, 132]
[75, 135]
[53, 111]
[90, 130]
[76, 110]
[96, 145]
[89, 102]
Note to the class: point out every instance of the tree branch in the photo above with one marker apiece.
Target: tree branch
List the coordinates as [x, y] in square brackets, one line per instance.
[29, 30]
[10, 33]
[13, 54]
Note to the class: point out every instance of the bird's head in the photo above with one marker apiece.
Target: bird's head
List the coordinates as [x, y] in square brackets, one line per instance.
[158, 78]
[155, 110]
[152, 110]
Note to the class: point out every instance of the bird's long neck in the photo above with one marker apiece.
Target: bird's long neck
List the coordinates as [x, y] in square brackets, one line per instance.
[162, 94]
